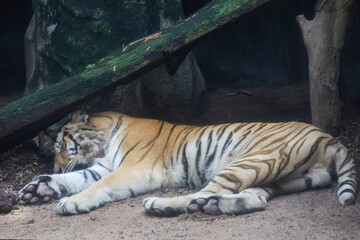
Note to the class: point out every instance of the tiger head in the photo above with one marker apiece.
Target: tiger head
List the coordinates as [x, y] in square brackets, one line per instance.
[78, 143]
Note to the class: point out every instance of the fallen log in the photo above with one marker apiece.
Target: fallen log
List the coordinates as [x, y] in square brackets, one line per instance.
[24, 118]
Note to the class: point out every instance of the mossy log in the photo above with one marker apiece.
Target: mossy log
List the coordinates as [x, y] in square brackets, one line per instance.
[23, 118]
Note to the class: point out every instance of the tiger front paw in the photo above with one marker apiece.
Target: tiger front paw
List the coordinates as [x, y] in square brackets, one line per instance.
[43, 189]
[163, 206]
[75, 205]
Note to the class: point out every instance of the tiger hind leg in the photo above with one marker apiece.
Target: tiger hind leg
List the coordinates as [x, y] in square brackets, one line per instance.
[246, 201]
[249, 200]
[222, 193]
[221, 184]
[255, 199]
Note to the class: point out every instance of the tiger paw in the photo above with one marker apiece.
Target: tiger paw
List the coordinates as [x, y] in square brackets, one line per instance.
[243, 202]
[42, 189]
[206, 205]
[164, 206]
[75, 205]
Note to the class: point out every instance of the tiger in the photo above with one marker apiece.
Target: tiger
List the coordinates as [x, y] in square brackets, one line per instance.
[236, 167]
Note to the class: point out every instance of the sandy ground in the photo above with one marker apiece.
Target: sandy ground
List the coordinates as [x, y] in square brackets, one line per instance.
[312, 214]
[307, 215]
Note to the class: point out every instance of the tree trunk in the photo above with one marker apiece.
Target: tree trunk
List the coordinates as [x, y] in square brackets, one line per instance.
[23, 118]
[324, 38]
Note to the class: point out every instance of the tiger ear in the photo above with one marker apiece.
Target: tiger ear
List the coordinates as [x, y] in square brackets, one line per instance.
[79, 116]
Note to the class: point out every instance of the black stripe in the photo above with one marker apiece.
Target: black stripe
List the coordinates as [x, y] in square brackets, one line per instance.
[226, 144]
[242, 139]
[117, 126]
[94, 175]
[271, 164]
[185, 164]
[346, 161]
[200, 135]
[272, 127]
[347, 182]
[132, 148]
[186, 134]
[250, 167]
[98, 174]
[332, 141]
[197, 161]
[223, 130]
[101, 165]
[286, 156]
[338, 150]
[168, 138]
[284, 161]
[308, 157]
[250, 126]
[220, 127]
[113, 161]
[171, 130]
[182, 141]
[199, 128]
[302, 143]
[345, 172]
[347, 190]
[263, 125]
[234, 191]
[266, 136]
[177, 137]
[228, 178]
[157, 135]
[210, 159]
[171, 161]
[313, 149]
[238, 128]
[209, 143]
[278, 128]
[85, 176]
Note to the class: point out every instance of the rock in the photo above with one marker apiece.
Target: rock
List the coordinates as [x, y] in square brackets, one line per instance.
[8, 199]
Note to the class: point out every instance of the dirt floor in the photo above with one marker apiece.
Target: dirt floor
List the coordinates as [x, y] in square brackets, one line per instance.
[312, 214]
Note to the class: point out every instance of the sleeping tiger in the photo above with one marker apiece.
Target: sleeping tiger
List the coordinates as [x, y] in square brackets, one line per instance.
[238, 167]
